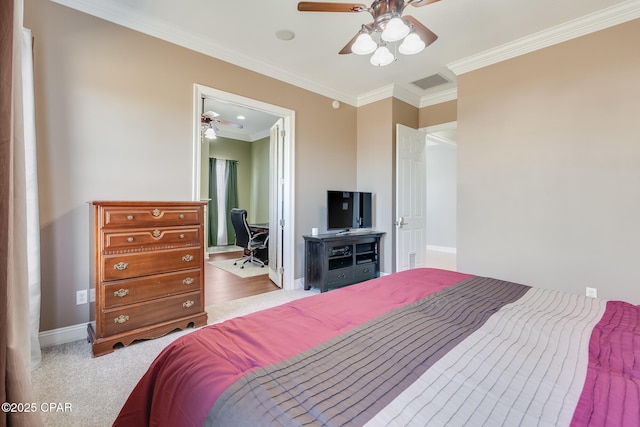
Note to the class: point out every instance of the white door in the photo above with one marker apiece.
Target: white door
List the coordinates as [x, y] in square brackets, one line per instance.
[411, 192]
[276, 202]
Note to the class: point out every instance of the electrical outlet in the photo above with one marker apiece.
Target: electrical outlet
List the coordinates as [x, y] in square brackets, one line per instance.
[81, 297]
[92, 295]
[592, 292]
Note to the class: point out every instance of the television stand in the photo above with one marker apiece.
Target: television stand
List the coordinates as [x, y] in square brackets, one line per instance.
[337, 260]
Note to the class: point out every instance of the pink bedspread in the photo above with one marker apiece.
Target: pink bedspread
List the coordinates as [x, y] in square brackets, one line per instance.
[611, 395]
[602, 382]
[173, 394]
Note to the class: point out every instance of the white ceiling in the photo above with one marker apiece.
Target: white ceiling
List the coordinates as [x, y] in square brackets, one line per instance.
[255, 125]
[472, 33]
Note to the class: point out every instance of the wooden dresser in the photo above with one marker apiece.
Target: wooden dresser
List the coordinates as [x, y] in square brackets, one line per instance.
[148, 270]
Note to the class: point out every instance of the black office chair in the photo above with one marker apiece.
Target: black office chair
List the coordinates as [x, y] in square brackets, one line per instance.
[246, 239]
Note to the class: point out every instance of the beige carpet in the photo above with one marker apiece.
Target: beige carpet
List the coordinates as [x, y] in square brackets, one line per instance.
[96, 388]
[249, 270]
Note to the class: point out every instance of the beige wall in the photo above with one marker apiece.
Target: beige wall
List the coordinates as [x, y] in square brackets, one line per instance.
[548, 153]
[374, 168]
[114, 112]
[437, 114]
[549, 166]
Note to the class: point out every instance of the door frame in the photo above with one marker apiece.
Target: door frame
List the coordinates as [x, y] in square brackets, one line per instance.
[288, 200]
[450, 253]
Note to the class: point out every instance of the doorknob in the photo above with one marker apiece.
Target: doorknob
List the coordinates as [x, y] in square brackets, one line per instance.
[400, 222]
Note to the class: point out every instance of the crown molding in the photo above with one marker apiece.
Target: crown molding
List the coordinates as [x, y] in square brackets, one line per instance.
[246, 138]
[439, 97]
[406, 94]
[439, 139]
[600, 20]
[117, 14]
[375, 95]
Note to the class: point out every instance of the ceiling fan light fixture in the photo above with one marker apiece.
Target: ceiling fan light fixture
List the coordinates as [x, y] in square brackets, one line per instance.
[411, 45]
[382, 57]
[210, 133]
[364, 45]
[395, 30]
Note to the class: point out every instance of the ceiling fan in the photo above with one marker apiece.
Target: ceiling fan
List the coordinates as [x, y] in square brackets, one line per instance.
[388, 26]
[208, 122]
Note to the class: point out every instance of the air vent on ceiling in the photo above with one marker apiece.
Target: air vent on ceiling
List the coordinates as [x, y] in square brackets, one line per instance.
[431, 81]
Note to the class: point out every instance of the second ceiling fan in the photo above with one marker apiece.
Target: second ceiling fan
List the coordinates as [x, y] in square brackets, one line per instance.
[388, 26]
[208, 121]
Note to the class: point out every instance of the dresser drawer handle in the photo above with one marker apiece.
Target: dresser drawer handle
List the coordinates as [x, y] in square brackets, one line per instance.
[130, 239]
[187, 258]
[366, 270]
[188, 303]
[121, 319]
[129, 217]
[181, 236]
[156, 212]
[120, 266]
[156, 233]
[121, 293]
[188, 281]
[181, 216]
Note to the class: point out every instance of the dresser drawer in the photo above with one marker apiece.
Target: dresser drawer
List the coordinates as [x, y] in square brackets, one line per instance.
[135, 316]
[118, 217]
[126, 266]
[339, 277]
[130, 291]
[365, 271]
[149, 237]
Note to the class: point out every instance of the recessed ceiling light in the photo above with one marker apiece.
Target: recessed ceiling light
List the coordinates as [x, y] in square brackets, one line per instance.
[285, 34]
[241, 117]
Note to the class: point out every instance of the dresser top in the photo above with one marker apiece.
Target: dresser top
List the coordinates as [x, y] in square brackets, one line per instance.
[146, 203]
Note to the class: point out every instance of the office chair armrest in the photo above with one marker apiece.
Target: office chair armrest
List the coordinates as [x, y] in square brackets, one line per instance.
[260, 237]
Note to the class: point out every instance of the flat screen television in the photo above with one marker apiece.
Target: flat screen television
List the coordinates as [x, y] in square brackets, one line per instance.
[348, 210]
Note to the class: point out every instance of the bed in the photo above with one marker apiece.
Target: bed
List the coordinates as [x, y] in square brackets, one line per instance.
[421, 347]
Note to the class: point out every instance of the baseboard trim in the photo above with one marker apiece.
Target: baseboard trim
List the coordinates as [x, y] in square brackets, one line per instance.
[441, 249]
[63, 335]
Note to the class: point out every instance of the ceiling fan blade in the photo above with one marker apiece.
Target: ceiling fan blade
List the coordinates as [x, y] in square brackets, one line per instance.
[423, 2]
[425, 34]
[228, 123]
[308, 6]
[209, 114]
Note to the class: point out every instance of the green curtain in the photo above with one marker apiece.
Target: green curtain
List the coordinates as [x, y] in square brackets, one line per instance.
[213, 204]
[232, 196]
[231, 199]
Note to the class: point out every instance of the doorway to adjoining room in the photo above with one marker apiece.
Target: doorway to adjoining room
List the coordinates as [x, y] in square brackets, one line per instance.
[235, 169]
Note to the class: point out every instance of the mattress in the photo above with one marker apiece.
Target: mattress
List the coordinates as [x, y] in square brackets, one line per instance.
[420, 347]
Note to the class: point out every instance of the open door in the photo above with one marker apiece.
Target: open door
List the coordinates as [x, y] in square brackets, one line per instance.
[411, 194]
[276, 202]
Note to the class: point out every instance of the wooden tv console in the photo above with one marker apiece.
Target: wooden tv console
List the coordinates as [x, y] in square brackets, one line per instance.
[336, 260]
